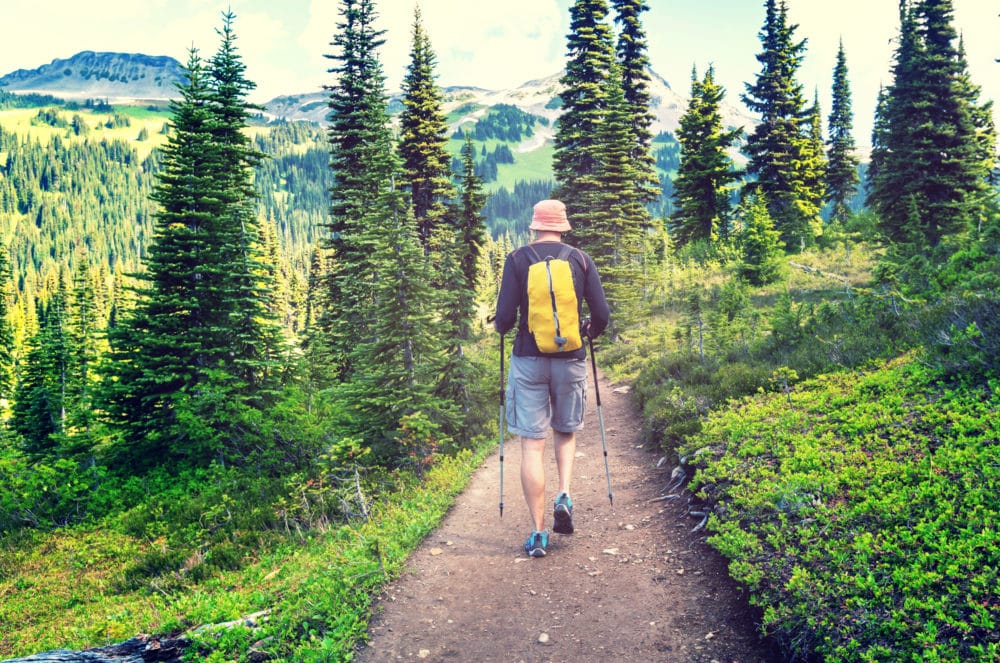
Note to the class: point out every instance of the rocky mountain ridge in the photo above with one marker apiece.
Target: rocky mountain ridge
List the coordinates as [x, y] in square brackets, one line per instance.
[135, 78]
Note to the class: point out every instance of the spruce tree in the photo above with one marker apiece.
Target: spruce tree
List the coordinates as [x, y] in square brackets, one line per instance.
[842, 161]
[702, 185]
[813, 163]
[198, 349]
[759, 243]
[423, 141]
[632, 56]
[358, 159]
[381, 318]
[778, 146]
[160, 351]
[931, 175]
[246, 278]
[6, 331]
[40, 399]
[597, 173]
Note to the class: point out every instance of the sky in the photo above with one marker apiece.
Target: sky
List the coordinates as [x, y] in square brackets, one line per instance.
[494, 45]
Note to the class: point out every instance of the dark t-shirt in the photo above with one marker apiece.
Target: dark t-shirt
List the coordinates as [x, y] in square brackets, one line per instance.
[512, 302]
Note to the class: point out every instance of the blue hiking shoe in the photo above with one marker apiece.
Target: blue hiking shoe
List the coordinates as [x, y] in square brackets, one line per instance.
[562, 515]
[537, 543]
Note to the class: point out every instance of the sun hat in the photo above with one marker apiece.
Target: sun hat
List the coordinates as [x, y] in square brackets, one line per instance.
[550, 215]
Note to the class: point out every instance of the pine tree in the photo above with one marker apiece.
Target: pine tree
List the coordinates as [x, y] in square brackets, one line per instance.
[158, 353]
[813, 164]
[778, 146]
[578, 152]
[40, 399]
[632, 55]
[197, 350]
[6, 331]
[598, 177]
[842, 162]
[931, 172]
[423, 140]
[384, 330]
[250, 330]
[358, 159]
[701, 189]
[759, 243]
[472, 229]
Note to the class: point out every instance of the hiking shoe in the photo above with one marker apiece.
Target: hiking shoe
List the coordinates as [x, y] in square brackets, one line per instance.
[537, 543]
[562, 515]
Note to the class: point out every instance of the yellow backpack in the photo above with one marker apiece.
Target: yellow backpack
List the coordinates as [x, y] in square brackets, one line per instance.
[553, 310]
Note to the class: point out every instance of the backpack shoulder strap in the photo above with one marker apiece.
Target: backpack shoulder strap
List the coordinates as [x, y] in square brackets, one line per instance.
[532, 253]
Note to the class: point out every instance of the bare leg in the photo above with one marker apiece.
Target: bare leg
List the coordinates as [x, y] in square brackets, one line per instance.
[533, 479]
[565, 453]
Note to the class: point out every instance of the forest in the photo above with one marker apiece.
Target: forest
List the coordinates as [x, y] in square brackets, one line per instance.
[245, 365]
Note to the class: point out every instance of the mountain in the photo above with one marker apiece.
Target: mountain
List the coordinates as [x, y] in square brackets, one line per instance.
[117, 77]
[538, 97]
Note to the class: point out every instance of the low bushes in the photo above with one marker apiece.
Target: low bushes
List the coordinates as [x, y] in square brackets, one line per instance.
[863, 514]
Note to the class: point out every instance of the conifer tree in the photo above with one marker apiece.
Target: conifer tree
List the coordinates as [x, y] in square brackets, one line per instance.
[6, 331]
[198, 347]
[251, 332]
[813, 164]
[759, 243]
[632, 56]
[600, 185]
[382, 327]
[590, 53]
[701, 189]
[39, 413]
[472, 229]
[358, 159]
[778, 146]
[423, 141]
[931, 173]
[842, 162]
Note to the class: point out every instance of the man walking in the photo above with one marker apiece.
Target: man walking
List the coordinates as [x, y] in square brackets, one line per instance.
[548, 370]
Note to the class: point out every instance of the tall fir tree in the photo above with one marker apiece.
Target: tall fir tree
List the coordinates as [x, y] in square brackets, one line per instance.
[382, 326]
[842, 177]
[632, 55]
[602, 186]
[198, 349]
[778, 146]
[361, 165]
[6, 330]
[705, 174]
[423, 143]
[251, 330]
[813, 164]
[931, 174]
[40, 399]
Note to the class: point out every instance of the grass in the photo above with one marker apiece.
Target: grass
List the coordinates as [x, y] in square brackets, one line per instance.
[88, 586]
[19, 120]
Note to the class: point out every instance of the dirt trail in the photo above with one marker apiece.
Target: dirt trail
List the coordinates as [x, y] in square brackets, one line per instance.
[632, 584]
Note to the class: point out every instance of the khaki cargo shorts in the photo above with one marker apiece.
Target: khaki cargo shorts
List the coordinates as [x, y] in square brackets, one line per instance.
[543, 393]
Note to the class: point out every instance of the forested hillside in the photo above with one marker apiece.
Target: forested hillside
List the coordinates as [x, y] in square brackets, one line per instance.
[245, 363]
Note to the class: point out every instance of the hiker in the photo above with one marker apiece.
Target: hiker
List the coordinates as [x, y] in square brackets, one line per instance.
[547, 386]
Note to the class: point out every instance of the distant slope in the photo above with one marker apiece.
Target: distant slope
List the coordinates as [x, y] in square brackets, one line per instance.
[538, 97]
[118, 77]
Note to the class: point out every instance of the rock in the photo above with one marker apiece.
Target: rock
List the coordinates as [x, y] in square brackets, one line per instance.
[543, 638]
[436, 551]
[610, 551]
[423, 653]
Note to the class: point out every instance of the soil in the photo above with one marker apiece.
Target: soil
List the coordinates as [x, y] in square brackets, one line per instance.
[633, 583]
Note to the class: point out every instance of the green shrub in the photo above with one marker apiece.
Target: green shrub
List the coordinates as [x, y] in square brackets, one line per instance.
[863, 517]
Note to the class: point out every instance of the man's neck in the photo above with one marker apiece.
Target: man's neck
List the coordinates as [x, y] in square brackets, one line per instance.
[548, 236]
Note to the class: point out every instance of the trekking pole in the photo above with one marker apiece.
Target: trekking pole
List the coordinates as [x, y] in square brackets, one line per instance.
[503, 413]
[600, 418]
